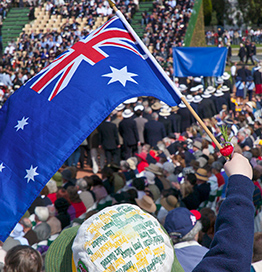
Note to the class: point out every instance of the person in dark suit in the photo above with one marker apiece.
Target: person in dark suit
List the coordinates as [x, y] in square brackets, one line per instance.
[242, 52]
[164, 115]
[109, 141]
[258, 80]
[220, 100]
[176, 120]
[154, 131]
[249, 52]
[186, 116]
[206, 108]
[140, 123]
[128, 130]
[242, 72]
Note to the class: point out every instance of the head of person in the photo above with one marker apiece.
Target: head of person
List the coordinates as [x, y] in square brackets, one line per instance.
[23, 258]
[41, 213]
[257, 247]
[116, 238]
[182, 225]
[168, 168]
[201, 175]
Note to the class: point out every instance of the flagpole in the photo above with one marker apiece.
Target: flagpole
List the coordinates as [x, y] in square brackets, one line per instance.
[209, 133]
[160, 69]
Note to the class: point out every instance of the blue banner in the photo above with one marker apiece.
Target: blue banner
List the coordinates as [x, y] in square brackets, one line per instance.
[199, 61]
[43, 122]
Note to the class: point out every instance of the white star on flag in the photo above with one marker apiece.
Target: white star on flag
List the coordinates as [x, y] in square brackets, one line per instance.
[31, 173]
[120, 75]
[21, 124]
[2, 167]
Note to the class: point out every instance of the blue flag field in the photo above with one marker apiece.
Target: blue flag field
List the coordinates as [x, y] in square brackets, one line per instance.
[199, 61]
[43, 122]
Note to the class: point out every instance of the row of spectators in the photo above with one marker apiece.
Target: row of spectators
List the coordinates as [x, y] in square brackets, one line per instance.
[235, 37]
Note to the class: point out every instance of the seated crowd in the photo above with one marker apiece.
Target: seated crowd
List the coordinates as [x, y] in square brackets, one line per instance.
[150, 158]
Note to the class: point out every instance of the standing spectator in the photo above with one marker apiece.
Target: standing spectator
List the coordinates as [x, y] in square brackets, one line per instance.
[249, 52]
[258, 80]
[242, 53]
[128, 130]
[229, 53]
[108, 140]
[140, 123]
[253, 52]
[154, 131]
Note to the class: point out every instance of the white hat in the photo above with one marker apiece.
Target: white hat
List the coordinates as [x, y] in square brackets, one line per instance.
[219, 80]
[150, 177]
[182, 105]
[167, 108]
[225, 76]
[120, 107]
[127, 113]
[257, 68]
[197, 79]
[193, 89]
[164, 112]
[114, 239]
[200, 86]
[211, 89]
[189, 98]
[218, 93]
[197, 99]
[131, 100]
[182, 87]
[139, 107]
[206, 94]
[224, 88]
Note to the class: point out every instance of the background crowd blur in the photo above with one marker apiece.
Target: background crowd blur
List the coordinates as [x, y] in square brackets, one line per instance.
[145, 153]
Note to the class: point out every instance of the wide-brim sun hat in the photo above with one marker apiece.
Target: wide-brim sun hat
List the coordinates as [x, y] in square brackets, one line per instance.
[201, 174]
[113, 240]
[127, 113]
[224, 88]
[156, 106]
[200, 86]
[182, 87]
[164, 112]
[139, 107]
[189, 98]
[225, 76]
[169, 203]
[193, 89]
[197, 99]
[146, 203]
[211, 89]
[206, 94]
[218, 93]
[219, 80]
[182, 105]
[154, 169]
[120, 107]
[130, 100]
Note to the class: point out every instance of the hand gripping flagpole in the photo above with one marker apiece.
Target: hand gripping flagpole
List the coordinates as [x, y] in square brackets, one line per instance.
[160, 69]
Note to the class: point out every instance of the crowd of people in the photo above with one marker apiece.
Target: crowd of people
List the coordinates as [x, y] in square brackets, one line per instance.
[156, 157]
[234, 36]
[145, 157]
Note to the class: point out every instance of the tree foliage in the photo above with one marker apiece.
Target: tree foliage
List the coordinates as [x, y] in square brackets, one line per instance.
[251, 10]
[207, 4]
[221, 7]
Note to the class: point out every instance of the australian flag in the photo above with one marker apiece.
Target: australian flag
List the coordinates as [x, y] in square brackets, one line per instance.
[43, 122]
